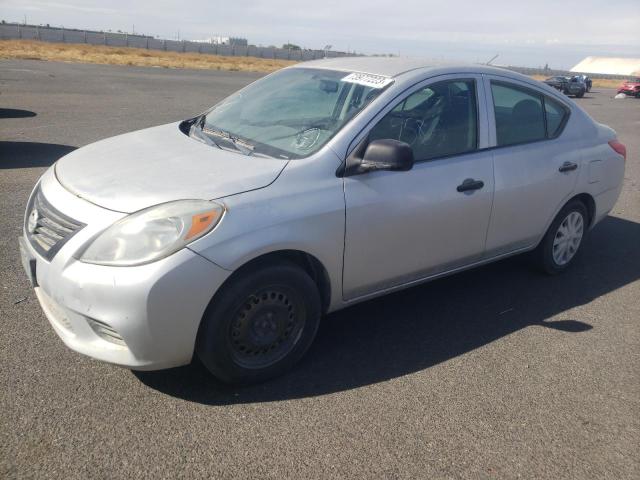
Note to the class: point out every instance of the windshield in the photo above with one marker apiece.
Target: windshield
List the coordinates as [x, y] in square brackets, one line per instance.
[291, 113]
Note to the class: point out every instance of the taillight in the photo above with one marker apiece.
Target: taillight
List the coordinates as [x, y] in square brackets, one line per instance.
[619, 148]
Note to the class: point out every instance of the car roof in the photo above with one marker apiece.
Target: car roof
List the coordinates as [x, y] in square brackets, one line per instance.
[397, 66]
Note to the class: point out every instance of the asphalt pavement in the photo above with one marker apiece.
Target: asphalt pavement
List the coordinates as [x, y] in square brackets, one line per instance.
[499, 372]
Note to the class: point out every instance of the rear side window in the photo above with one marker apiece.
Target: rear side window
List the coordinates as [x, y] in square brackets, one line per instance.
[524, 115]
[519, 115]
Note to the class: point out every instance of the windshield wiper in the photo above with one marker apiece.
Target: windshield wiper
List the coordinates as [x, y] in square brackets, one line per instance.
[196, 132]
[241, 145]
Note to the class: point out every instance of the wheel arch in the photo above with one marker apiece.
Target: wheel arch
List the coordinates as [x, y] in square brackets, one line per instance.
[587, 200]
[306, 261]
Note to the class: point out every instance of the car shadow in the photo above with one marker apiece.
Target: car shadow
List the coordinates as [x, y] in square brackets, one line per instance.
[31, 154]
[16, 113]
[423, 326]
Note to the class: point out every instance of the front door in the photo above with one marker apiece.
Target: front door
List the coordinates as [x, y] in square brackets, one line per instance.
[404, 226]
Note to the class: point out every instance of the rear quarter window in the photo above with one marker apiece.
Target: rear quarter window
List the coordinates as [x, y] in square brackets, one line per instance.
[557, 115]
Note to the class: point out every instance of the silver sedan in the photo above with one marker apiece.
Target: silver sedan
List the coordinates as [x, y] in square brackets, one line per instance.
[230, 234]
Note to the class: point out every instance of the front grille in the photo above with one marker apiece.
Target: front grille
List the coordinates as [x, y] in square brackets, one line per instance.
[47, 228]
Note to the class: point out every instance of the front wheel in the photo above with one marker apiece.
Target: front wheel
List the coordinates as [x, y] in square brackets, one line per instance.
[561, 243]
[260, 324]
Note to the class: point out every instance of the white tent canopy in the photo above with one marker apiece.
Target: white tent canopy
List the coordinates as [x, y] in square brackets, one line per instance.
[609, 65]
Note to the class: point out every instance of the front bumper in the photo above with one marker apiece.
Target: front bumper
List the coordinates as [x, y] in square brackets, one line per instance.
[626, 91]
[155, 309]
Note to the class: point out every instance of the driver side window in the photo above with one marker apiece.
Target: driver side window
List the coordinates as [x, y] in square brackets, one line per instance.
[437, 121]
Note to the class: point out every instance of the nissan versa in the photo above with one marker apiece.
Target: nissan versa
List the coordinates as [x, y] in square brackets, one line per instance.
[230, 234]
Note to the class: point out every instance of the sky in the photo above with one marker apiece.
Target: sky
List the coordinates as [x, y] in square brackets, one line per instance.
[532, 33]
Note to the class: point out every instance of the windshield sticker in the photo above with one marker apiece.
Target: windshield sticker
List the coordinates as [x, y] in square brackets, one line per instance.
[367, 79]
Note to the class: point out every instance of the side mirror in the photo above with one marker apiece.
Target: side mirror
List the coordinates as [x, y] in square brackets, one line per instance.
[386, 154]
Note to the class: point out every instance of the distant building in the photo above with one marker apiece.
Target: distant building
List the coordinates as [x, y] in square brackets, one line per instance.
[220, 40]
[609, 65]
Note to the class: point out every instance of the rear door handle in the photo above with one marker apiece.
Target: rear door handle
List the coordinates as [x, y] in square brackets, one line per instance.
[470, 184]
[568, 167]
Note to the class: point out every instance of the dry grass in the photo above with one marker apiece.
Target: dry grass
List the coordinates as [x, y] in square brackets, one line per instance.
[83, 53]
[597, 82]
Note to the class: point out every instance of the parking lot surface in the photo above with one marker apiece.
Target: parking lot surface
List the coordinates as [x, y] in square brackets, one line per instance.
[499, 372]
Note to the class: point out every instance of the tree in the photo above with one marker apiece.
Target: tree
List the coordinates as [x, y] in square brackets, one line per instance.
[291, 46]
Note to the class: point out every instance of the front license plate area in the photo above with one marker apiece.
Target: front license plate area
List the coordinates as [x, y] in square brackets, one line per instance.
[28, 262]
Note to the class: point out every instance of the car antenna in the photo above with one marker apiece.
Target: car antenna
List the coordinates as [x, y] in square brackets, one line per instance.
[494, 57]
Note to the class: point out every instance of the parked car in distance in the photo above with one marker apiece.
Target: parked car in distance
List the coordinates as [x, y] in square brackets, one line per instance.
[630, 87]
[558, 82]
[230, 234]
[587, 81]
[568, 85]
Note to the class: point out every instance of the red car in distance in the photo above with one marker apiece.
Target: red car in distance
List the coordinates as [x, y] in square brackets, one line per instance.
[630, 87]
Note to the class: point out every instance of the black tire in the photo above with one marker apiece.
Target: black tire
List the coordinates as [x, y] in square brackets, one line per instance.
[259, 324]
[543, 255]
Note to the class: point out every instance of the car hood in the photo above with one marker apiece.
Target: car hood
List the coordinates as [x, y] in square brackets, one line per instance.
[160, 164]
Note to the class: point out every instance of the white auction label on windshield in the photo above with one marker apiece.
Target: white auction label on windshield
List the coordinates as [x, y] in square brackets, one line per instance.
[367, 79]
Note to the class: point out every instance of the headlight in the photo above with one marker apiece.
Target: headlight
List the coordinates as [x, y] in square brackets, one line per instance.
[153, 233]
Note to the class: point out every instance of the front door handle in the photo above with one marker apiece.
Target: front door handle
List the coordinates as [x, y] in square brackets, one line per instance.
[568, 167]
[470, 184]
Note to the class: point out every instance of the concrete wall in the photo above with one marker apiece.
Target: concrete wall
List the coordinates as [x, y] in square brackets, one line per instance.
[60, 35]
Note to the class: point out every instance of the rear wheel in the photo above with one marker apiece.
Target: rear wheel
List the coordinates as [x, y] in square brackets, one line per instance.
[560, 245]
[260, 324]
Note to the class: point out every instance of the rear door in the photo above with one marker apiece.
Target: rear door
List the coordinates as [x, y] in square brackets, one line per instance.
[535, 167]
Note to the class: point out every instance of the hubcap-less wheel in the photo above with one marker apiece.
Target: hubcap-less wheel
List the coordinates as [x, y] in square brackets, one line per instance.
[568, 238]
[265, 328]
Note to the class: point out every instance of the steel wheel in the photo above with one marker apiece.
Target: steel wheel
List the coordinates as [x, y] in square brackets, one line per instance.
[266, 328]
[567, 238]
[260, 323]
